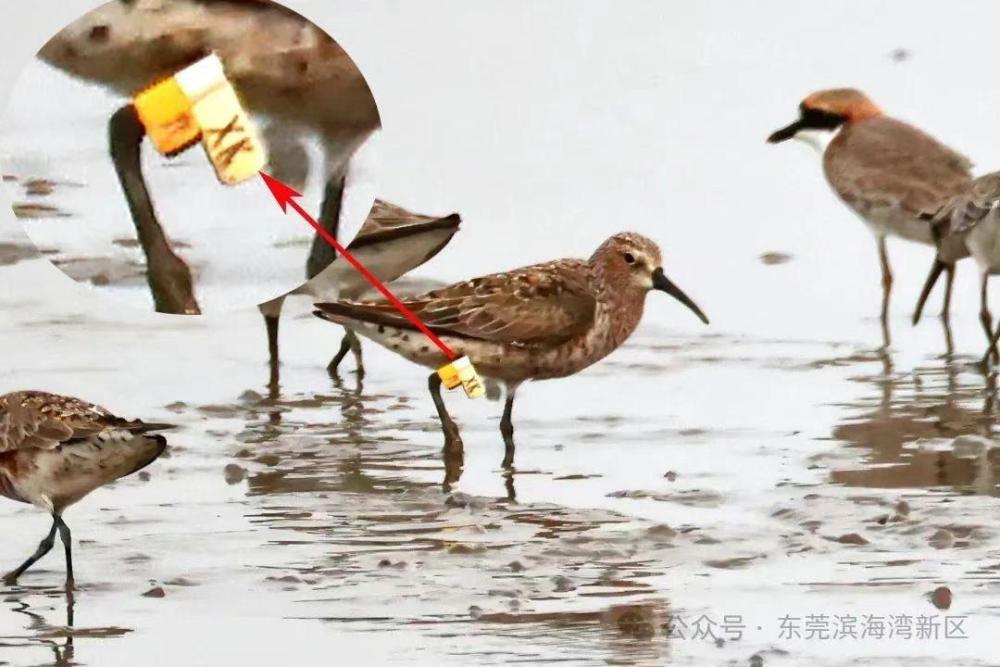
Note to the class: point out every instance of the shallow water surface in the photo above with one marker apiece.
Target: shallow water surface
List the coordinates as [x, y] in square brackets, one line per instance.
[775, 489]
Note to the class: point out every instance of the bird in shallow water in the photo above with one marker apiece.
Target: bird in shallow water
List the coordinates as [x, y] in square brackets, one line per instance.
[973, 220]
[539, 322]
[392, 242]
[891, 174]
[54, 450]
[285, 68]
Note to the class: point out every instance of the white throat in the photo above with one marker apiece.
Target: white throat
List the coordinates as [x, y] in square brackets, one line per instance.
[818, 139]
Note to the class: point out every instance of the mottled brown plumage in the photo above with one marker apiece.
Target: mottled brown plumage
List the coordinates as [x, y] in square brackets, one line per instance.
[36, 419]
[539, 322]
[54, 450]
[543, 304]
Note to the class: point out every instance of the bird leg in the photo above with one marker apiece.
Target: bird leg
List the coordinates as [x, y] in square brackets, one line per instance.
[949, 342]
[883, 256]
[507, 427]
[274, 362]
[322, 253]
[44, 547]
[992, 348]
[452, 438]
[937, 268]
[345, 347]
[67, 540]
[986, 319]
[349, 343]
[949, 283]
[168, 275]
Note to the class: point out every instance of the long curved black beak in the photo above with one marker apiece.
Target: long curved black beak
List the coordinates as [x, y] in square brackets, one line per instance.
[662, 283]
[786, 133]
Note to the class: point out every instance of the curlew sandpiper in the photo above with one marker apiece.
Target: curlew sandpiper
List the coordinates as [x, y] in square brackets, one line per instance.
[54, 450]
[889, 173]
[540, 322]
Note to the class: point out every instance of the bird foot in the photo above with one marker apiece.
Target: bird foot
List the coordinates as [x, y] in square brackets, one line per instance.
[10, 578]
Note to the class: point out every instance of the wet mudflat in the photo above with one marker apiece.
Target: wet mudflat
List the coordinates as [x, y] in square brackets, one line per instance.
[733, 481]
[772, 490]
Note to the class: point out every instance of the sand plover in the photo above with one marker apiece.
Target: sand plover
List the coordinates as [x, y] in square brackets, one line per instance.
[391, 243]
[889, 173]
[290, 72]
[54, 450]
[540, 322]
[973, 219]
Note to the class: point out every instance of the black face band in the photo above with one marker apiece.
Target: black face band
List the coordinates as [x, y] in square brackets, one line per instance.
[809, 119]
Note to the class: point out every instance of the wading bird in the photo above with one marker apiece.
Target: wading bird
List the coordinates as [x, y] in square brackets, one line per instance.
[540, 322]
[392, 242]
[54, 450]
[285, 68]
[892, 175]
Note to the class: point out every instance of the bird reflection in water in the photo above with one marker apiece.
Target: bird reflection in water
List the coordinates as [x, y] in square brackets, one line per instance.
[944, 400]
[44, 633]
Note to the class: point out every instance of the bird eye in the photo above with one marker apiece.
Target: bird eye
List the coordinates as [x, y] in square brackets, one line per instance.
[629, 258]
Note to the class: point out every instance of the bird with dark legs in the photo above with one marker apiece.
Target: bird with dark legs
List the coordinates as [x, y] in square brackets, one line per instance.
[391, 243]
[972, 220]
[539, 322]
[291, 73]
[54, 450]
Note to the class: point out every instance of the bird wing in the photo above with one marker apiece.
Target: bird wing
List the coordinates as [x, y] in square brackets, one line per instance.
[964, 212]
[385, 216]
[883, 161]
[542, 304]
[34, 419]
[388, 222]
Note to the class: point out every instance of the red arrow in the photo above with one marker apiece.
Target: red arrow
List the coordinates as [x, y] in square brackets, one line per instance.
[286, 195]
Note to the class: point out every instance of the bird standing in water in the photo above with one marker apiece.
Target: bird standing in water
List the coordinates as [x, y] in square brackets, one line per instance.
[891, 174]
[540, 322]
[54, 450]
[285, 68]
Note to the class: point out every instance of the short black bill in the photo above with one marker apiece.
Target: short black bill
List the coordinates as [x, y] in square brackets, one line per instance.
[786, 133]
[662, 283]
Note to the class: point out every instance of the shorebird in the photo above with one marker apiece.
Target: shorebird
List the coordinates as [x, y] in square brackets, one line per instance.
[889, 173]
[973, 220]
[392, 242]
[285, 68]
[539, 322]
[54, 450]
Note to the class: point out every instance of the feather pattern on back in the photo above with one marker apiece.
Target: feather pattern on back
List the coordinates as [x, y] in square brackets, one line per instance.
[546, 304]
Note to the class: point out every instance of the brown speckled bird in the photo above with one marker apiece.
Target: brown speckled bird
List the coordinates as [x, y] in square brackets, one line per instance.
[54, 450]
[540, 322]
[891, 174]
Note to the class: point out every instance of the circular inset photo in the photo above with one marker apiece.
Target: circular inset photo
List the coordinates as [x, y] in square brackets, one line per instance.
[136, 145]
